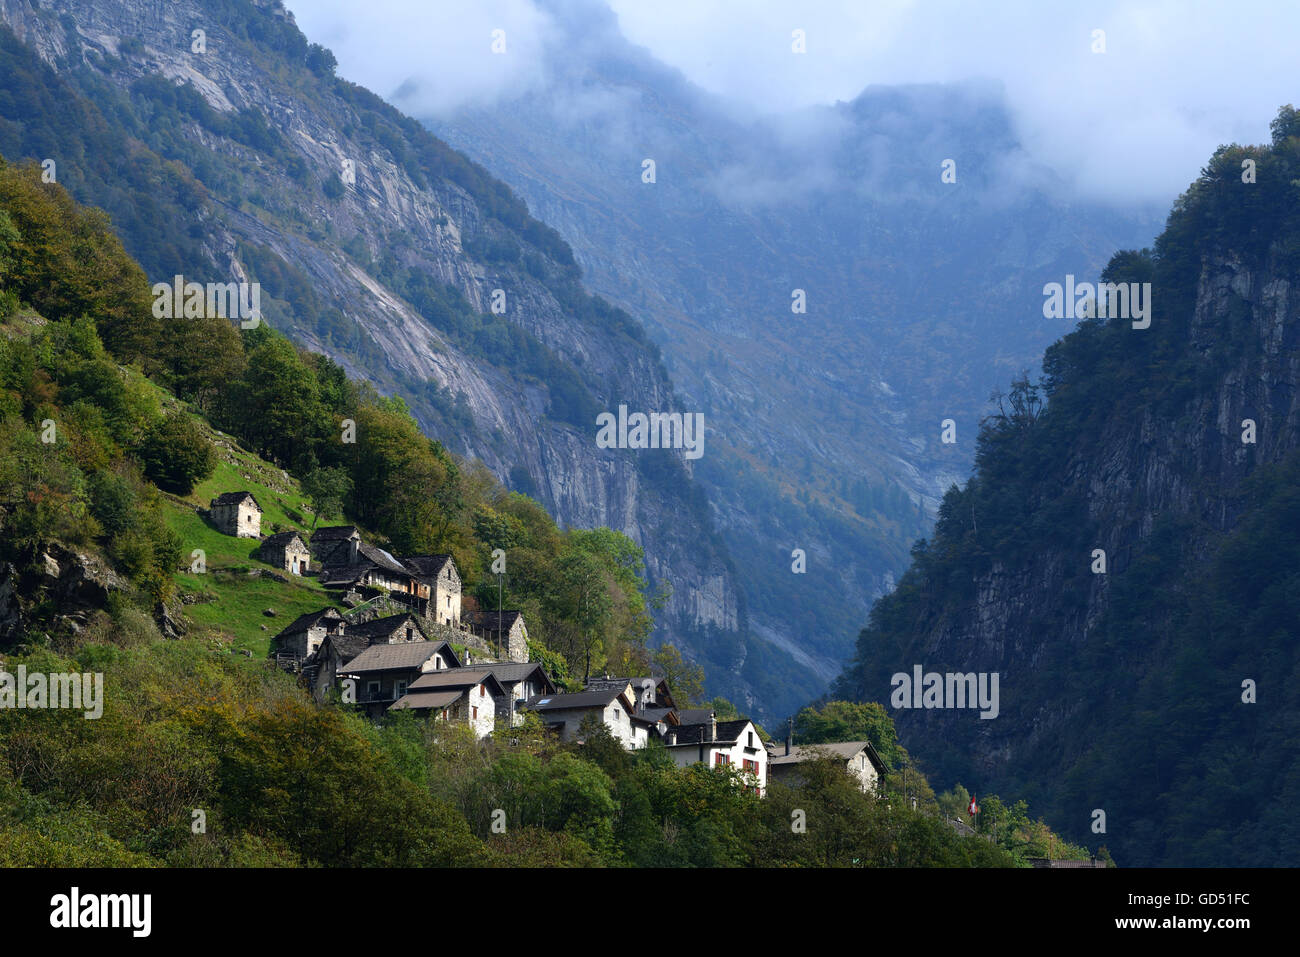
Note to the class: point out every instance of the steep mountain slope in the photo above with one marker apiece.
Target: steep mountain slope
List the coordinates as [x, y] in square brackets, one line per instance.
[1162, 690]
[921, 295]
[375, 244]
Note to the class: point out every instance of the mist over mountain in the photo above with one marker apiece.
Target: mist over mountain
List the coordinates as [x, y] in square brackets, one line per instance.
[922, 296]
[1124, 554]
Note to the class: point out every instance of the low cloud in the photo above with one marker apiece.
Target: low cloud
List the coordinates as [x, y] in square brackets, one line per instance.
[1136, 122]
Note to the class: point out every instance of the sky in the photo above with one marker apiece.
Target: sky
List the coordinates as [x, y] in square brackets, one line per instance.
[1135, 122]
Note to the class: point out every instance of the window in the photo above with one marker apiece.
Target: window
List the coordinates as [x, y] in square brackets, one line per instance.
[372, 689]
[720, 759]
[751, 766]
[751, 739]
[475, 710]
[482, 691]
[399, 688]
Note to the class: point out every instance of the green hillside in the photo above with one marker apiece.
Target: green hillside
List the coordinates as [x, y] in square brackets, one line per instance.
[198, 756]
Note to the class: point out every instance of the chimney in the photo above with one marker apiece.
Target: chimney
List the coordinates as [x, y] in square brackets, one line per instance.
[713, 726]
[789, 735]
[672, 738]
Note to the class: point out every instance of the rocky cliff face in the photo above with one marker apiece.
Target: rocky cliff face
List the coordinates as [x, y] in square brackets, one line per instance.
[921, 296]
[1136, 687]
[340, 207]
[1185, 462]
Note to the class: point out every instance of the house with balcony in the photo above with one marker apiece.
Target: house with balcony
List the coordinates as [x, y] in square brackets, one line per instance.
[469, 696]
[382, 673]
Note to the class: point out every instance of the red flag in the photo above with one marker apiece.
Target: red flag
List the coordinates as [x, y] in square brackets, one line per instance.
[974, 808]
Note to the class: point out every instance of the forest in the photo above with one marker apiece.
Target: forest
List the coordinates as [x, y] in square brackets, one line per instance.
[207, 758]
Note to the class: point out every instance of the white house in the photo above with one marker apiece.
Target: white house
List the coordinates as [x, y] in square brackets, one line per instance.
[719, 744]
[859, 758]
[613, 706]
[470, 696]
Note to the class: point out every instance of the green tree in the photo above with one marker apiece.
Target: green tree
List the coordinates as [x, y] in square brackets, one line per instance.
[328, 488]
[686, 679]
[176, 455]
[851, 721]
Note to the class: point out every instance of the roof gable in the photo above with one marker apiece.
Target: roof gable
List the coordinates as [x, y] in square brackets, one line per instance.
[431, 566]
[309, 620]
[452, 678]
[235, 498]
[335, 533]
[406, 655]
[843, 750]
[284, 539]
[380, 627]
[582, 699]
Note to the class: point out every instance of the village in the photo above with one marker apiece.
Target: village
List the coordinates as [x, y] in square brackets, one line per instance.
[405, 644]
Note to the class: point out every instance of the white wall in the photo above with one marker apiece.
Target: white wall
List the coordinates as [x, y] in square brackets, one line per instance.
[688, 754]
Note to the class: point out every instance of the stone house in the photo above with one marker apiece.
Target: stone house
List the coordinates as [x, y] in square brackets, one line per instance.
[336, 651]
[301, 638]
[564, 713]
[490, 625]
[469, 696]
[858, 757]
[650, 697]
[519, 681]
[442, 578]
[329, 539]
[383, 672]
[238, 514]
[321, 670]
[389, 630]
[286, 550]
[374, 570]
[718, 744]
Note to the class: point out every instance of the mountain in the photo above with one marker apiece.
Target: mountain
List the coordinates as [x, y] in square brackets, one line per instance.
[921, 296]
[225, 149]
[1160, 688]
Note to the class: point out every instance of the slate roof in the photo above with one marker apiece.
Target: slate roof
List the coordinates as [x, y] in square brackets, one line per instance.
[655, 715]
[511, 671]
[454, 678]
[401, 656]
[282, 539]
[694, 715]
[234, 498]
[491, 620]
[377, 556]
[426, 700]
[346, 646]
[845, 750]
[303, 622]
[613, 684]
[334, 533]
[728, 731]
[341, 574]
[381, 627]
[427, 566]
[583, 699]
